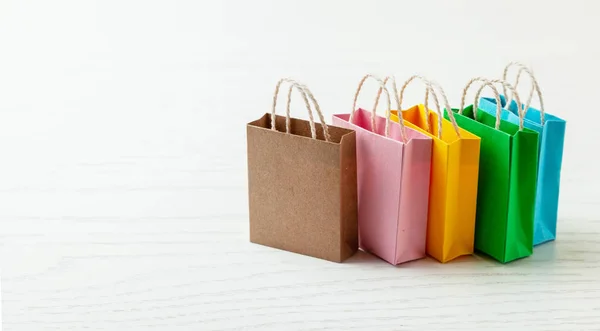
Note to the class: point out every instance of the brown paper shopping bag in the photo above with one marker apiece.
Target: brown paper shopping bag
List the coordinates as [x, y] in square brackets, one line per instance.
[302, 183]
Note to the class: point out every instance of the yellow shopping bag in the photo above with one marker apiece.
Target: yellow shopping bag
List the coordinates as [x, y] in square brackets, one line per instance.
[454, 177]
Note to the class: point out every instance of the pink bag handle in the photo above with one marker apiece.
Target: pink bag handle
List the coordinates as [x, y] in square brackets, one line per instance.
[394, 87]
[534, 87]
[396, 96]
[395, 92]
[388, 112]
[304, 91]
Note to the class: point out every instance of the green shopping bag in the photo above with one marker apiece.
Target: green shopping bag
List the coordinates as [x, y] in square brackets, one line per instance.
[507, 181]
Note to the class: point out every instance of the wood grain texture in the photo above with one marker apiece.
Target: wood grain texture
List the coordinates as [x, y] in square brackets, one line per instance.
[123, 193]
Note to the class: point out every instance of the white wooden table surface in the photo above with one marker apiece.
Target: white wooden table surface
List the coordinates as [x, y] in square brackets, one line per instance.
[123, 197]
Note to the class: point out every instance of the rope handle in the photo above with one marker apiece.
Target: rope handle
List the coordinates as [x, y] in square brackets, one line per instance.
[505, 85]
[476, 104]
[395, 88]
[534, 87]
[306, 94]
[396, 96]
[430, 89]
[426, 104]
[389, 107]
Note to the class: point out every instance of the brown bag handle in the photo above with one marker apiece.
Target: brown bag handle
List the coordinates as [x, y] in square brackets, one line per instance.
[388, 112]
[534, 87]
[304, 91]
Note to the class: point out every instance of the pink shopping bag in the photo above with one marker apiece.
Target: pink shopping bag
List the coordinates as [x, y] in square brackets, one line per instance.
[393, 165]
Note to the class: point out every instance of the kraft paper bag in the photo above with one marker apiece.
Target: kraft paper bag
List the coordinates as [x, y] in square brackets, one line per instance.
[507, 181]
[393, 183]
[551, 144]
[302, 184]
[453, 178]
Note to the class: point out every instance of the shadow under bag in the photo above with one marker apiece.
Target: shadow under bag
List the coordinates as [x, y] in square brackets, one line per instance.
[302, 184]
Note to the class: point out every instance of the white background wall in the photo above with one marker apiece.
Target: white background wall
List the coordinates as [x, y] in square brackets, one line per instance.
[122, 138]
[86, 81]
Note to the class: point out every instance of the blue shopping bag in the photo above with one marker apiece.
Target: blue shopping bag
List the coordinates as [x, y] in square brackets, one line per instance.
[551, 143]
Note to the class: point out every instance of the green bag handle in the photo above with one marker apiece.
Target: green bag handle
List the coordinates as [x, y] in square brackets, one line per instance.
[505, 85]
[490, 83]
[514, 94]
